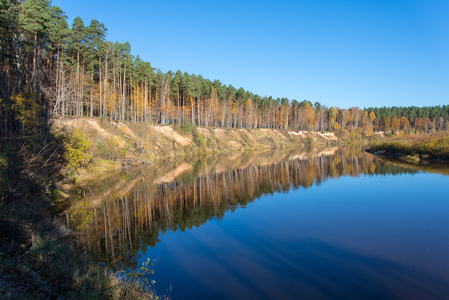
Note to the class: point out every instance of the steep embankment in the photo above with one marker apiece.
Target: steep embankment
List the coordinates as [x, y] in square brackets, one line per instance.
[136, 142]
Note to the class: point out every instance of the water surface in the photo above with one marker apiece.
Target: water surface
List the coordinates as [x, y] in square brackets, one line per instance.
[323, 224]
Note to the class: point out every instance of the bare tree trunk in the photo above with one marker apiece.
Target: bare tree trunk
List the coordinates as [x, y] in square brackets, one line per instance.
[77, 82]
[124, 93]
[100, 90]
[82, 92]
[146, 103]
[91, 98]
[105, 84]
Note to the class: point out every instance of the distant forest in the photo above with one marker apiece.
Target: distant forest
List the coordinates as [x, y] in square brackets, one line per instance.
[49, 68]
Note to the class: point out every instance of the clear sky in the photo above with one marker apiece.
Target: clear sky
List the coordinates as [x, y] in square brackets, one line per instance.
[340, 53]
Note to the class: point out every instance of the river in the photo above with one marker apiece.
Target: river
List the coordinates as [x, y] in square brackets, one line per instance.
[322, 224]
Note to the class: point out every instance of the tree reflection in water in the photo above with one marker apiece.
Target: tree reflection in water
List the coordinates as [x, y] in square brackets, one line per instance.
[131, 209]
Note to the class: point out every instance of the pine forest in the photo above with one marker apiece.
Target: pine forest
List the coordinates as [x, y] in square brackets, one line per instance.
[50, 68]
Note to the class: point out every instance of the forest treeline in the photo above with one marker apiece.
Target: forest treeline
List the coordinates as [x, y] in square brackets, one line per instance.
[49, 68]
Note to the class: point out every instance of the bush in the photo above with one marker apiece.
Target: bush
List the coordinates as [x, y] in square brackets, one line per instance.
[76, 147]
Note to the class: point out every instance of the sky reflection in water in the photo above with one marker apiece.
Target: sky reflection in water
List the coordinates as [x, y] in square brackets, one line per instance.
[370, 237]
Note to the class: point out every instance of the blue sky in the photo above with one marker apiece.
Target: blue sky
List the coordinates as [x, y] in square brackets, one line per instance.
[339, 53]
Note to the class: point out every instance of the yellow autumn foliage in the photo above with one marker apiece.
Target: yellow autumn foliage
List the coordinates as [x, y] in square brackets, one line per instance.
[76, 147]
[26, 107]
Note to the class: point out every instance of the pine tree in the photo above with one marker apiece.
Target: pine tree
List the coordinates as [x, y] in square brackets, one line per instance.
[34, 19]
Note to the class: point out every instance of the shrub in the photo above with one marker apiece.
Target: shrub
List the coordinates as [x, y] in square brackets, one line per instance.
[76, 147]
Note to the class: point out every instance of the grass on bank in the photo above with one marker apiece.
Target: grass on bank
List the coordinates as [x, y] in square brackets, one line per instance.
[415, 147]
[40, 258]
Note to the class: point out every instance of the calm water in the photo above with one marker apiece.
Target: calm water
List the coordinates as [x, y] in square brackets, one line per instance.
[330, 224]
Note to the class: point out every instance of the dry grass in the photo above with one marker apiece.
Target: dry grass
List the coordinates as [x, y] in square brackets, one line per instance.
[419, 147]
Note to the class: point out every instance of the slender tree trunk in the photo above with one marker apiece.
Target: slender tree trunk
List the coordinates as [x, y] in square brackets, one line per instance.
[145, 114]
[193, 111]
[91, 97]
[150, 105]
[33, 77]
[77, 82]
[114, 89]
[199, 110]
[57, 79]
[130, 102]
[82, 92]
[179, 112]
[124, 93]
[105, 84]
[100, 104]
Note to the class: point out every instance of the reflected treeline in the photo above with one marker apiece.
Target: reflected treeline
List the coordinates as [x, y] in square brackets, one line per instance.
[426, 166]
[126, 213]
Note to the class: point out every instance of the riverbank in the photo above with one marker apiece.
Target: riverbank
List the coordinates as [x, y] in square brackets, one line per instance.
[418, 148]
[120, 145]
